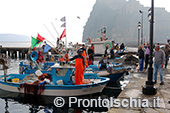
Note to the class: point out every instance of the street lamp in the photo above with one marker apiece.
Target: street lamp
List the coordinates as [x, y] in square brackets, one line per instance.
[139, 27]
[141, 12]
[149, 15]
[149, 88]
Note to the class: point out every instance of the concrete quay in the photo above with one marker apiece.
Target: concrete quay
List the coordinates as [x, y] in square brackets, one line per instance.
[134, 90]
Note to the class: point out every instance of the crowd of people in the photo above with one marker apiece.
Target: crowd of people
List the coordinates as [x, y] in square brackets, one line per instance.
[161, 58]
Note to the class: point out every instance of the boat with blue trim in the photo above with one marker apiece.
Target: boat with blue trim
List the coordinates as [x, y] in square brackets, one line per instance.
[114, 72]
[62, 83]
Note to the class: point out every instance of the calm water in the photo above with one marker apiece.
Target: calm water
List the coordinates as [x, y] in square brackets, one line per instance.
[20, 103]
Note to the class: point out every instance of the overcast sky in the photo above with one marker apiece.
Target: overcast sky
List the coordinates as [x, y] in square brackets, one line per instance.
[28, 17]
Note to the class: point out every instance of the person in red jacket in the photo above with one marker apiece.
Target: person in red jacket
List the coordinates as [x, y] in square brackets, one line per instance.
[40, 59]
[79, 67]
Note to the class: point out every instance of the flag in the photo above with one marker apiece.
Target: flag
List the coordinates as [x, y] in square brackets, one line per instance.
[63, 34]
[35, 42]
[40, 38]
[46, 48]
[63, 25]
[63, 19]
[98, 33]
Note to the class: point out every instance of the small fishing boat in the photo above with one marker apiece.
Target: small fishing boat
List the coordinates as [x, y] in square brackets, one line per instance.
[113, 72]
[62, 83]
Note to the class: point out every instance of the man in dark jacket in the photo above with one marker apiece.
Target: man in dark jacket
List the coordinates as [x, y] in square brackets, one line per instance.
[103, 62]
[141, 58]
[91, 54]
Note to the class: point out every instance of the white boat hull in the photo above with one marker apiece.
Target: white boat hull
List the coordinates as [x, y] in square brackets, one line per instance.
[58, 92]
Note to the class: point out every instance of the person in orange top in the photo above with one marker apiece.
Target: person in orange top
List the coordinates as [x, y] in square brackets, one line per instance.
[89, 40]
[61, 59]
[84, 55]
[52, 59]
[66, 56]
[79, 67]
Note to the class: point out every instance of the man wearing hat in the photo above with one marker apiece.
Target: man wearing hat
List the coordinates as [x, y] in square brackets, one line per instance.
[79, 67]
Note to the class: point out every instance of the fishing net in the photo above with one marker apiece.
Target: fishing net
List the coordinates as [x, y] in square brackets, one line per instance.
[32, 88]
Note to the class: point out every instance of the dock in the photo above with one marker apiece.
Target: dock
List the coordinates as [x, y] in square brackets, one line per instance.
[14, 52]
[134, 90]
[17, 52]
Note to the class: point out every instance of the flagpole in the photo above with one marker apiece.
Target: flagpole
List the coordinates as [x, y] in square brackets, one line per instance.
[64, 25]
[56, 32]
[55, 29]
[49, 31]
[66, 39]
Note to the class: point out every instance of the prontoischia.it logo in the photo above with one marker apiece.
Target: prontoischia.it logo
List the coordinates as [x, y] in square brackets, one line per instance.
[108, 102]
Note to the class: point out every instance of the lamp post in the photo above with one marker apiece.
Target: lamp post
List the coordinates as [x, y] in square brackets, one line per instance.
[149, 88]
[141, 12]
[139, 27]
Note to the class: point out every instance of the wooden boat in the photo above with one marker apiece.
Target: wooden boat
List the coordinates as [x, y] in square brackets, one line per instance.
[61, 84]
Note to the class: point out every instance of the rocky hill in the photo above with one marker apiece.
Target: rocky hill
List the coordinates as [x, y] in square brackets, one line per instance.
[121, 18]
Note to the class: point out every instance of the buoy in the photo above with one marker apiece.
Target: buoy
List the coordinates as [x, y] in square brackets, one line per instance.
[108, 44]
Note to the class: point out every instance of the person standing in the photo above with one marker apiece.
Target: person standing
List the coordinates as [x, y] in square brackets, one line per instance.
[66, 56]
[92, 47]
[84, 55]
[158, 63]
[40, 60]
[79, 67]
[147, 52]
[105, 52]
[122, 47]
[117, 48]
[141, 58]
[167, 52]
[112, 53]
[103, 63]
[91, 58]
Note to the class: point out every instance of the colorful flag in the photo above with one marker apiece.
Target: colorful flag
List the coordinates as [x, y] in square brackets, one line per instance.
[63, 25]
[98, 33]
[40, 38]
[46, 48]
[63, 19]
[63, 34]
[35, 42]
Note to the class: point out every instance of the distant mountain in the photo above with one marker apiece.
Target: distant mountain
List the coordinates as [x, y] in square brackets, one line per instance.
[121, 18]
[14, 38]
